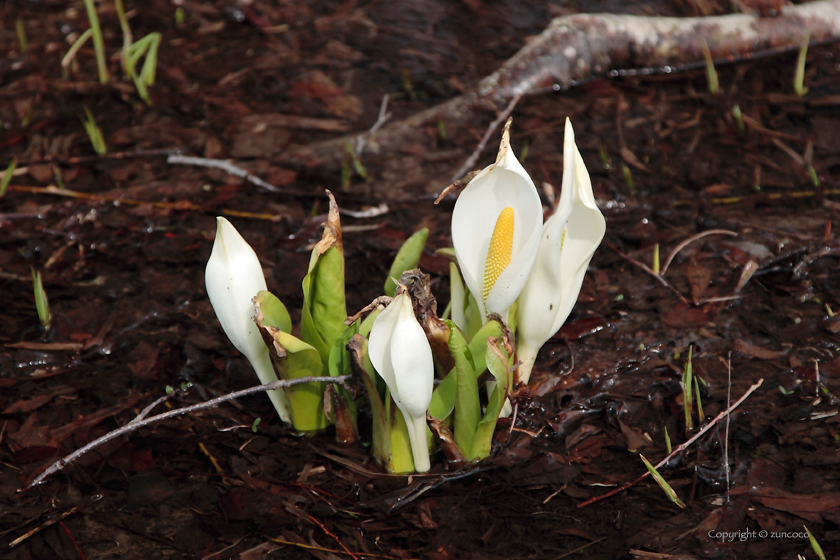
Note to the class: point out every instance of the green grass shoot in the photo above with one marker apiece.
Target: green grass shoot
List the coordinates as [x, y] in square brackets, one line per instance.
[41, 302]
[441, 128]
[711, 73]
[74, 50]
[180, 16]
[94, 133]
[656, 258]
[667, 441]
[814, 544]
[21, 33]
[605, 159]
[689, 422]
[739, 120]
[523, 152]
[628, 179]
[98, 42]
[799, 73]
[813, 174]
[7, 177]
[700, 414]
[662, 483]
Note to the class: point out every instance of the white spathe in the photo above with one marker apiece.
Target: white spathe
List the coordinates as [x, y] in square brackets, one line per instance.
[233, 277]
[569, 239]
[400, 352]
[502, 184]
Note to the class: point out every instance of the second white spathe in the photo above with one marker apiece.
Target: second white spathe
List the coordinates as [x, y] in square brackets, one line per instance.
[568, 242]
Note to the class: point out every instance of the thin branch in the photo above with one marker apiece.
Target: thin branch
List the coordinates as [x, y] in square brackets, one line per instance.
[726, 438]
[225, 166]
[384, 115]
[678, 449]
[141, 421]
[470, 163]
[692, 239]
[647, 269]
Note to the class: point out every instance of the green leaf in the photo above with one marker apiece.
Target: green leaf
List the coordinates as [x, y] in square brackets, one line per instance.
[324, 307]
[662, 483]
[7, 177]
[478, 344]
[357, 346]
[271, 312]
[407, 258]
[497, 363]
[467, 406]
[42, 304]
[340, 363]
[473, 317]
[401, 459]
[443, 397]
[296, 359]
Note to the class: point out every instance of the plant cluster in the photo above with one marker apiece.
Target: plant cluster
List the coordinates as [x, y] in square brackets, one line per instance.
[428, 380]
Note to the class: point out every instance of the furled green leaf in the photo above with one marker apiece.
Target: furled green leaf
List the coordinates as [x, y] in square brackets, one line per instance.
[497, 363]
[296, 359]
[467, 406]
[272, 312]
[324, 308]
[407, 258]
[401, 458]
[340, 363]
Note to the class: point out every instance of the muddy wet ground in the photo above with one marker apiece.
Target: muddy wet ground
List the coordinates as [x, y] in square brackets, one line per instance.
[122, 243]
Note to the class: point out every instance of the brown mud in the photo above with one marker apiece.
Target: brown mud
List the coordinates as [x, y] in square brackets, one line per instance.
[122, 243]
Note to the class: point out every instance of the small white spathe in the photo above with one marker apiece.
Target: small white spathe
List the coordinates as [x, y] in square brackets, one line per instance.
[400, 352]
[233, 277]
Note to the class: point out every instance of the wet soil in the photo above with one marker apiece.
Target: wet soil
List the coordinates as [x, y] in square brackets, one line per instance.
[121, 241]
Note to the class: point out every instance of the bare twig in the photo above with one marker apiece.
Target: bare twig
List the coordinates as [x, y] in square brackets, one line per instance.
[470, 163]
[726, 437]
[141, 420]
[690, 240]
[680, 448]
[225, 166]
[647, 269]
[384, 115]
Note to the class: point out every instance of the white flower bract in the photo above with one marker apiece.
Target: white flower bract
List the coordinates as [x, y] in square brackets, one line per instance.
[504, 184]
[569, 239]
[400, 352]
[233, 277]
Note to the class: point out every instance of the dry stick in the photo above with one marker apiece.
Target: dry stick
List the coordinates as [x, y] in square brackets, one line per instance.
[690, 240]
[141, 421]
[726, 438]
[647, 269]
[470, 163]
[383, 117]
[225, 166]
[586, 46]
[679, 448]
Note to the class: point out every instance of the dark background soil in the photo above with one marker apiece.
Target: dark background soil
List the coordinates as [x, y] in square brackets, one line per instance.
[131, 316]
